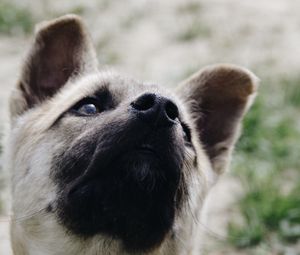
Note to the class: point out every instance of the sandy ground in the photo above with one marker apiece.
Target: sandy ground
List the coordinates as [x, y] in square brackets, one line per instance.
[164, 41]
[4, 237]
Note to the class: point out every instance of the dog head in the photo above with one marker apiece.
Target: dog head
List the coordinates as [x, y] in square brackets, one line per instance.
[95, 155]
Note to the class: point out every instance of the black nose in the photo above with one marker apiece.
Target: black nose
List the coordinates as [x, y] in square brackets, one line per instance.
[155, 109]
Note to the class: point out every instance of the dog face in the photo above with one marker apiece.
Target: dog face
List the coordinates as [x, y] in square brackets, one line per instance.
[98, 156]
[126, 154]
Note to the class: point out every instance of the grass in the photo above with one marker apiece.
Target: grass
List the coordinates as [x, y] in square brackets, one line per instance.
[193, 7]
[79, 10]
[267, 161]
[193, 31]
[266, 212]
[195, 27]
[14, 19]
[292, 94]
[133, 19]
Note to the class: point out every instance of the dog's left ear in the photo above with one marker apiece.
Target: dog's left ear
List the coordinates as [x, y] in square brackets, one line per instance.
[61, 50]
[217, 98]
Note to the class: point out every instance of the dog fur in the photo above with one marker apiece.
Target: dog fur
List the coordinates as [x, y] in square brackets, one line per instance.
[50, 147]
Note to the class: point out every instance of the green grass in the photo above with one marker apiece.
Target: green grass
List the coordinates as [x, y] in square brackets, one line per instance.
[194, 31]
[193, 8]
[195, 28]
[14, 19]
[267, 211]
[267, 162]
[133, 19]
[292, 94]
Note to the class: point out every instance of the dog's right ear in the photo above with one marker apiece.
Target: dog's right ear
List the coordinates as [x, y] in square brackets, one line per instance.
[61, 50]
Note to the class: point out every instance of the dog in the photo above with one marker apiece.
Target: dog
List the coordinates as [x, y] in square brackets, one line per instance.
[104, 164]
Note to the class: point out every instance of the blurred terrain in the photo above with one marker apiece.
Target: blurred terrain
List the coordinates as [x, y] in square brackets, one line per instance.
[254, 209]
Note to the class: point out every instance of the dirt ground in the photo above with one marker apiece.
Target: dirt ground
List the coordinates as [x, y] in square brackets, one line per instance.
[165, 41]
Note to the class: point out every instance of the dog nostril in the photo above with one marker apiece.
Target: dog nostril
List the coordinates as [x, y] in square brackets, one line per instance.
[171, 110]
[155, 109]
[144, 102]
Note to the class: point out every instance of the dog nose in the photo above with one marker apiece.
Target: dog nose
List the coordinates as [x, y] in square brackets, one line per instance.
[155, 109]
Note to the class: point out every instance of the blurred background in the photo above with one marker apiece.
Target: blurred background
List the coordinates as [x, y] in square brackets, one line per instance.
[255, 208]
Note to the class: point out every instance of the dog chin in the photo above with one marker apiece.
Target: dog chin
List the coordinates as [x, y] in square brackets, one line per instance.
[133, 200]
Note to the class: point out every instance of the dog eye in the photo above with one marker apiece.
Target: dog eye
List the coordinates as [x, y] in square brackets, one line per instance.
[87, 107]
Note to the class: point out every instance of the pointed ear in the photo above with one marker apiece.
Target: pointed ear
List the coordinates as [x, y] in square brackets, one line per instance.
[218, 97]
[61, 50]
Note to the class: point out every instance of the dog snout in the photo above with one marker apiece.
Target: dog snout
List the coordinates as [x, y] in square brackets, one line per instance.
[155, 109]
